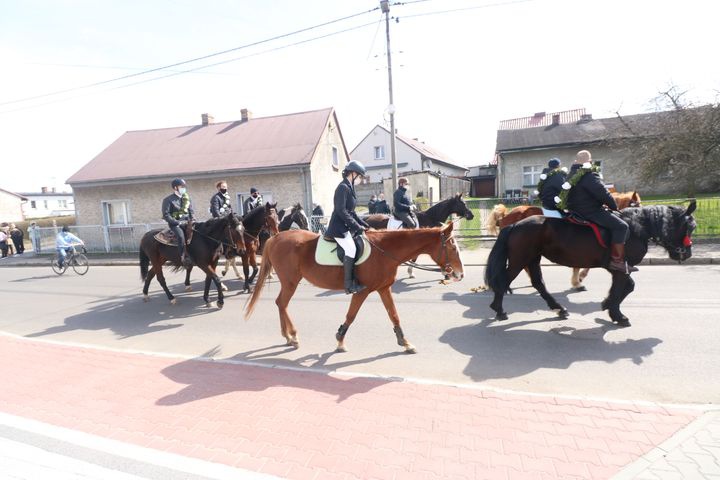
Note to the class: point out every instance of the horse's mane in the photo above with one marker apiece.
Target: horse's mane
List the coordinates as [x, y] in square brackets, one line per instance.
[655, 222]
[211, 225]
[434, 209]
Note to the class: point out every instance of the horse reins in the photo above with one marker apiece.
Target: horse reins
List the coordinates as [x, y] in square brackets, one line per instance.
[443, 240]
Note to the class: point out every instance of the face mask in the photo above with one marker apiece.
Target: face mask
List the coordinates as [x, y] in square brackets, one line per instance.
[182, 190]
[223, 190]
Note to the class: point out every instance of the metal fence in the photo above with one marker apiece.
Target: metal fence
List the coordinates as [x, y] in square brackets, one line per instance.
[126, 238]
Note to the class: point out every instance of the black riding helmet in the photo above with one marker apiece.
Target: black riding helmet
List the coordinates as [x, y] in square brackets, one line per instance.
[178, 182]
[354, 166]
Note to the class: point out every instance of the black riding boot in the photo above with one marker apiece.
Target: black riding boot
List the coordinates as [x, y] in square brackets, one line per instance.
[351, 284]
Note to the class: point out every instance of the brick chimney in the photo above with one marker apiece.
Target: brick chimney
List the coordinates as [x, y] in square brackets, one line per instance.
[245, 115]
[207, 119]
[556, 119]
[43, 189]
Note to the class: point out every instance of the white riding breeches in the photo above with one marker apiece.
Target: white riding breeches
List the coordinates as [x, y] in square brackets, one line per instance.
[551, 213]
[348, 244]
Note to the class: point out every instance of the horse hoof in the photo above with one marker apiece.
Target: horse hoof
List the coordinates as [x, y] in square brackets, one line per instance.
[220, 305]
[224, 287]
[562, 313]
[188, 288]
[146, 299]
[580, 288]
[501, 316]
[622, 322]
[603, 305]
[223, 273]
[411, 275]
[410, 348]
[341, 349]
[173, 301]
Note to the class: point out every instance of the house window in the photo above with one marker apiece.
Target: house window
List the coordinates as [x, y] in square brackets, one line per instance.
[116, 212]
[62, 203]
[45, 203]
[33, 204]
[379, 152]
[335, 158]
[531, 175]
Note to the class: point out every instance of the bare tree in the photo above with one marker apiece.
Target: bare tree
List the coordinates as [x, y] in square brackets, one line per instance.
[681, 146]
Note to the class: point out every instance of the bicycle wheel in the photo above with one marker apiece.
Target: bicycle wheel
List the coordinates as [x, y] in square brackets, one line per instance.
[57, 268]
[80, 264]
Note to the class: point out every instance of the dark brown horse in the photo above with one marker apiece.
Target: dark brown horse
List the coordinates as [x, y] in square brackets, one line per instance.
[205, 249]
[292, 254]
[523, 244]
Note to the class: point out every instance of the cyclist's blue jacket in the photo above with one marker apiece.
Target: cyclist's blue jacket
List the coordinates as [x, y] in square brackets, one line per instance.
[66, 239]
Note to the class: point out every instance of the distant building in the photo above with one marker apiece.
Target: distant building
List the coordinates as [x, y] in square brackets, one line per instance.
[48, 203]
[289, 158]
[11, 206]
[412, 155]
[483, 181]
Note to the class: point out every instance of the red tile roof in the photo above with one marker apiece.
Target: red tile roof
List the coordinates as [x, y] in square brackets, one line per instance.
[266, 142]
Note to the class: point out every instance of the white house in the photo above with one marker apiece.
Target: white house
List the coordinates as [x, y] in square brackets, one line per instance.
[11, 206]
[48, 203]
[412, 155]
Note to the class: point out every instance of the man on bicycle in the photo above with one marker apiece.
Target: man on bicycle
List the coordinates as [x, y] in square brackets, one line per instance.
[64, 242]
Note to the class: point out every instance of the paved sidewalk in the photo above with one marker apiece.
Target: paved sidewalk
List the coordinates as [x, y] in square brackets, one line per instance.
[703, 254]
[307, 425]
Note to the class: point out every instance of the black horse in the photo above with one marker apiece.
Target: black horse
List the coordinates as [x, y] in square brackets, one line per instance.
[205, 248]
[435, 216]
[523, 244]
[295, 215]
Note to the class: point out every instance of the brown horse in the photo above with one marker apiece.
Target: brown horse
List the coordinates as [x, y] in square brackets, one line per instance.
[500, 217]
[205, 249]
[292, 254]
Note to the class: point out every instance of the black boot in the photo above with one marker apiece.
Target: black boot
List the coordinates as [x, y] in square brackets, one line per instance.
[351, 285]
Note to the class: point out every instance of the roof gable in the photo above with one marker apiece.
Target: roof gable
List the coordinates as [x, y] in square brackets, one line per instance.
[265, 142]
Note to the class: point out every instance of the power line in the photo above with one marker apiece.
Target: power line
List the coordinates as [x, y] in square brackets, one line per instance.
[185, 62]
[487, 5]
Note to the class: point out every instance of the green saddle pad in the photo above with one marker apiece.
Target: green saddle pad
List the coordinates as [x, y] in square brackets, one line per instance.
[325, 253]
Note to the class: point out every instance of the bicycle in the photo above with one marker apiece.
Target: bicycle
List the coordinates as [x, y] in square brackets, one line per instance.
[78, 261]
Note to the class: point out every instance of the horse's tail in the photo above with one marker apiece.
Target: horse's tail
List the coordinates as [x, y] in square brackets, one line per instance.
[497, 213]
[144, 263]
[265, 270]
[496, 270]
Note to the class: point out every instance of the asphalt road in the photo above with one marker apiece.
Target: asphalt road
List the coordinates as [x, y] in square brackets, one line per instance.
[668, 355]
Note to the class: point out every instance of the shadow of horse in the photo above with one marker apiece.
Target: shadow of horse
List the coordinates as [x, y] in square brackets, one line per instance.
[128, 316]
[209, 379]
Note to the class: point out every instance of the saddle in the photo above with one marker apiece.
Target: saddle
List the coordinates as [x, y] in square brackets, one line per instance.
[602, 235]
[167, 237]
[329, 253]
[394, 223]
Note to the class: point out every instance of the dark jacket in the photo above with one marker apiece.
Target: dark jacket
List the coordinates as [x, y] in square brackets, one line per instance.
[372, 206]
[220, 205]
[344, 219]
[171, 208]
[401, 200]
[551, 188]
[382, 207]
[589, 195]
[318, 211]
[251, 203]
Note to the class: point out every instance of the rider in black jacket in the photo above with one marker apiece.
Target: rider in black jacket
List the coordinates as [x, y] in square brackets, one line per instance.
[176, 208]
[345, 224]
[551, 187]
[403, 205]
[591, 200]
[220, 204]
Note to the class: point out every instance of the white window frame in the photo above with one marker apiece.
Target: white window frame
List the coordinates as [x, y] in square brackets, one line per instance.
[335, 157]
[531, 173]
[379, 152]
[106, 211]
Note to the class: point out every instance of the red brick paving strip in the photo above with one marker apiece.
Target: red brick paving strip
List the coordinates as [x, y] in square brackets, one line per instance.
[306, 425]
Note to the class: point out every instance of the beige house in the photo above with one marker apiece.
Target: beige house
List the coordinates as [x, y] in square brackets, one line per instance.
[11, 206]
[412, 155]
[524, 146]
[288, 158]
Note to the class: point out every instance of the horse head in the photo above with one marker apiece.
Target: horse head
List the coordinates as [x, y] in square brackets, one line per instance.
[299, 217]
[668, 226]
[447, 257]
[271, 222]
[460, 208]
[680, 241]
[236, 231]
[635, 199]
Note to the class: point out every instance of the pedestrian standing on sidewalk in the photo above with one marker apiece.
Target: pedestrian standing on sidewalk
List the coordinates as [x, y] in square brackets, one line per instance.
[34, 234]
[3, 243]
[17, 238]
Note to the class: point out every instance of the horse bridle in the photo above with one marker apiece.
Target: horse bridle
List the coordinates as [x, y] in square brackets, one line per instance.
[686, 242]
[446, 269]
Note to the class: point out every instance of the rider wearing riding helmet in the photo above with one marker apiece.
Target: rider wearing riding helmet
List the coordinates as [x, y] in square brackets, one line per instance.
[345, 224]
[177, 207]
[551, 188]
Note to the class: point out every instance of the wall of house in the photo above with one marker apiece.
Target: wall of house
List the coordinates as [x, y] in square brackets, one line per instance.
[407, 158]
[616, 164]
[324, 175]
[145, 199]
[10, 208]
[57, 205]
[420, 183]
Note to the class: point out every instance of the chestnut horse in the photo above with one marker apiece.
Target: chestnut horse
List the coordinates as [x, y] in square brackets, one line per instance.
[500, 217]
[292, 254]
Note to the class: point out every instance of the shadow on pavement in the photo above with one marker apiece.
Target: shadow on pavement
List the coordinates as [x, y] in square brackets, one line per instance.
[210, 379]
[511, 349]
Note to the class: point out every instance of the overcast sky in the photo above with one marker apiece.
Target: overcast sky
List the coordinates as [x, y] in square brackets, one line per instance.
[459, 67]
